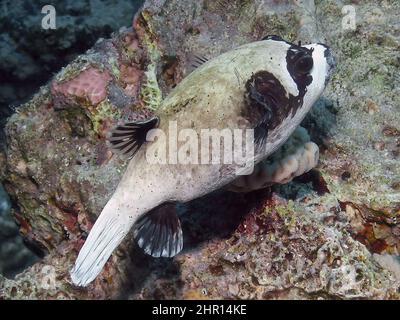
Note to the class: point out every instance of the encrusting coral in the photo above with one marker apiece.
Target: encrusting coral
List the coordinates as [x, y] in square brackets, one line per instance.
[90, 84]
[297, 156]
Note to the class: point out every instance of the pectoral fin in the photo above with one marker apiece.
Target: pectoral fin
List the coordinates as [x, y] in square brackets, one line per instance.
[127, 139]
[159, 232]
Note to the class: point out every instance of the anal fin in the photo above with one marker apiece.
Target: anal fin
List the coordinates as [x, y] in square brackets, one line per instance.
[159, 232]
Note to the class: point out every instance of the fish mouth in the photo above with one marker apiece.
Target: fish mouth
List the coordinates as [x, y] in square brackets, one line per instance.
[330, 60]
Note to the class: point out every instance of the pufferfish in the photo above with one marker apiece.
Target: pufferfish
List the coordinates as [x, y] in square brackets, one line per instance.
[267, 86]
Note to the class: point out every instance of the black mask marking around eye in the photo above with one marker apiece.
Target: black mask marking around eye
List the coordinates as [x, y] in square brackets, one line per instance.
[268, 103]
[299, 64]
[300, 57]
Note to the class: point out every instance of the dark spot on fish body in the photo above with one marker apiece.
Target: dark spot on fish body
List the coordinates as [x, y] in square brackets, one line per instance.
[176, 108]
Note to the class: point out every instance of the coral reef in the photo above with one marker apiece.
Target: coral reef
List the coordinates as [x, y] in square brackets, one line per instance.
[285, 250]
[91, 84]
[326, 235]
[29, 54]
[297, 156]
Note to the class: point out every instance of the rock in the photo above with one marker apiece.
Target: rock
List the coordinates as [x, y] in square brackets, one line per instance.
[30, 55]
[389, 262]
[313, 238]
[286, 250]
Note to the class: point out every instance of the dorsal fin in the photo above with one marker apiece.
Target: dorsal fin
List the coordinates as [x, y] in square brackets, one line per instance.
[126, 139]
[194, 61]
[198, 61]
[273, 37]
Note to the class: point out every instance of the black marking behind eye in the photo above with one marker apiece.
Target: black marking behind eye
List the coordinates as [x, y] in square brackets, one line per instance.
[267, 104]
[299, 64]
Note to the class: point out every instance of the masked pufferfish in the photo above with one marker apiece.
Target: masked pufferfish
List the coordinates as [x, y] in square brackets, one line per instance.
[280, 82]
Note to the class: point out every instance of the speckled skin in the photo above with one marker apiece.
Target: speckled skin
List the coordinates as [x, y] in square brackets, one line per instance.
[213, 96]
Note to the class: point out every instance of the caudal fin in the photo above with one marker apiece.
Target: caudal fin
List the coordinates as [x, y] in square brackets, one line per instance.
[106, 234]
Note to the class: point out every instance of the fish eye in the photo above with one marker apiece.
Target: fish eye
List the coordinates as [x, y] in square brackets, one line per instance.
[304, 64]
